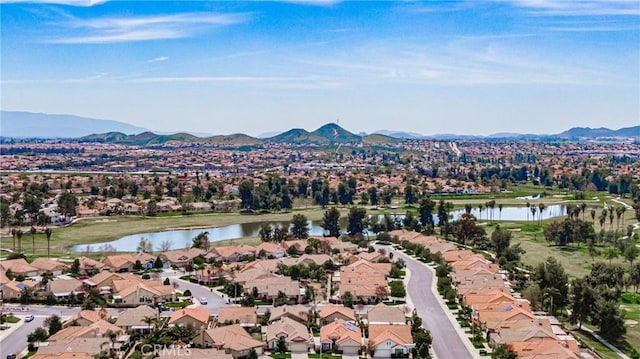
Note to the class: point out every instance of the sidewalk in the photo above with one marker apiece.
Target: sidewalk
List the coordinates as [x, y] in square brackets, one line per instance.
[12, 328]
[606, 343]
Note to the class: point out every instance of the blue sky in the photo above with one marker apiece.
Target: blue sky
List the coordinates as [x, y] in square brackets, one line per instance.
[468, 67]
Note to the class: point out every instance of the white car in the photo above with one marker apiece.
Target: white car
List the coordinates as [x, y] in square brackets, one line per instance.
[28, 318]
[203, 301]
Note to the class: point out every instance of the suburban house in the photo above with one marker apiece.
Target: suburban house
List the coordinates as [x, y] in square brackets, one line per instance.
[13, 289]
[297, 312]
[77, 348]
[299, 246]
[386, 340]
[343, 335]
[19, 267]
[94, 330]
[333, 244]
[330, 313]
[137, 291]
[119, 263]
[384, 314]
[317, 259]
[87, 317]
[104, 280]
[63, 288]
[244, 316]
[135, 319]
[50, 266]
[295, 334]
[233, 339]
[88, 265]
[180, 257]
[270, 249]
[197, 317]
[225, 254]
[269, 287]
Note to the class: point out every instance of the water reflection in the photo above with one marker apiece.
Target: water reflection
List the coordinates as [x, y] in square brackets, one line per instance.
[183, 238]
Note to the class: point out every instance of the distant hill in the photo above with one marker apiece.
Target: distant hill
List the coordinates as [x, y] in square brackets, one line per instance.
[336, 134]
[587, 132]
[15, 124]
[42, 125]
[239, 139]
[379, 139]
[399, 134]
[297, 135]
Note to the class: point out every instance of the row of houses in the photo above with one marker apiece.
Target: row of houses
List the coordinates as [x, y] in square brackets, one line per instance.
[506, 318]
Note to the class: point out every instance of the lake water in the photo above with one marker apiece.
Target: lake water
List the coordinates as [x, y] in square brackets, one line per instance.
[182, 238]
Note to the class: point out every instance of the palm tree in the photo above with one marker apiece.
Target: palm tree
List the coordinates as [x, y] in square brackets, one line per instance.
[48, 233]
[611, 216]
[528, 206]
[602, 219]
[623, 209]
[593, 215]
[541, 207]
[149, 320]
[19, 234]
[618, 215]
[112, 337]
[13, 235]
[33, 240]
[583, 208]
[480, 208]
[500, 210]
[533, 213]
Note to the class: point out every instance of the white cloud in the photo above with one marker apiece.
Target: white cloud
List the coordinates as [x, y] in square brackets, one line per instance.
[144, 28]
[313, 2]
[80, 3]
[578, 7]
[158, 59]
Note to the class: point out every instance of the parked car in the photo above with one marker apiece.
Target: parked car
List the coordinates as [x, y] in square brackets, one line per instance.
[203, 301]
[12, 356]
[28, 318]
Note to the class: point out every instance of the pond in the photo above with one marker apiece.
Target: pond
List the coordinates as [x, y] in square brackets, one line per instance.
[182, 238]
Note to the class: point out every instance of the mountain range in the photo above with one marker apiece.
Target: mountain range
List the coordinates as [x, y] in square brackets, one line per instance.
[37, 125]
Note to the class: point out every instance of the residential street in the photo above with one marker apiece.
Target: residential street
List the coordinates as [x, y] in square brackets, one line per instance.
[16, 341]
[446, 340]
[214, 300]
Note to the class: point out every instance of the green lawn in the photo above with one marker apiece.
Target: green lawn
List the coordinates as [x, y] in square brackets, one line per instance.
[105, 229]
[10, 319]
[599, 348]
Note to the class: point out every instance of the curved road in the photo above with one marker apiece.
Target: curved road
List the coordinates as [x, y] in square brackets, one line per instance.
[446, 341]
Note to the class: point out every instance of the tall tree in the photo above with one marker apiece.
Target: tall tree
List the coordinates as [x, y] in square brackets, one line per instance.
[356, 220]
[300, 226]
[409, 194]
[631, 253]
[48, 232]
[552, 279]
[246, 193]
[331, 222]
[609, 320]
[582, 299]
[67, 203]
[426, 211]
[32, 230]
